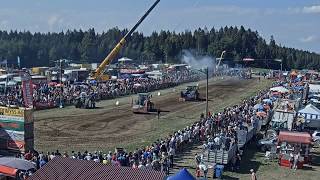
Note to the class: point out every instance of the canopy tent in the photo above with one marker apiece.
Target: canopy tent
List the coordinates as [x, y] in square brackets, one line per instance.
[16, 163]
[183, 174]
[310, 112]
[268, 101]
[314, 88]
[124, 59]
[9, 166]
[280, 89]
[294, 137]
[258, 106]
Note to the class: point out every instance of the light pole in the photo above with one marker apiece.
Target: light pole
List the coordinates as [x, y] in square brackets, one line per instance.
[61, 90]
[207, 92]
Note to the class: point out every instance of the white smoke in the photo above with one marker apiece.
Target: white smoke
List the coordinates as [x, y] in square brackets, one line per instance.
[200, 62]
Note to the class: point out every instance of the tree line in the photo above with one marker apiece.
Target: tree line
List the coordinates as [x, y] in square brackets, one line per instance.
[42, 49]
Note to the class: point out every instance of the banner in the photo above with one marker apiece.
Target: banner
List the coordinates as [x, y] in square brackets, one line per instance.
[12, 125]
[27, 89]
[11, 112]
[16, 129]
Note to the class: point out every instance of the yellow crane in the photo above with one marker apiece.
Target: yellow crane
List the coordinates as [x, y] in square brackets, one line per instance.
[98, 73]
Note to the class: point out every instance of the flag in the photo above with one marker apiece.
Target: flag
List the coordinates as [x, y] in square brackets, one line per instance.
[18, 61]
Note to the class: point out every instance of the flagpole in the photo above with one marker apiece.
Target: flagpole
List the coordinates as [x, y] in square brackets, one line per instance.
[5, 87]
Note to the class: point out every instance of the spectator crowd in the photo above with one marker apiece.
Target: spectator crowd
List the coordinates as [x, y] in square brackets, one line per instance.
[217, 130]
[49, 95]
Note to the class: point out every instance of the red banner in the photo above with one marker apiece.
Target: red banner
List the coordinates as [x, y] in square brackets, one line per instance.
[27, 89]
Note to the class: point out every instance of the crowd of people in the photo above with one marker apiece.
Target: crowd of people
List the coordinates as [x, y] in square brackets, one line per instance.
[217, 130]
[49, 95]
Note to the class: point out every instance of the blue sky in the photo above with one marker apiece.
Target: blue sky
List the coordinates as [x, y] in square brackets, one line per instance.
[294, 23]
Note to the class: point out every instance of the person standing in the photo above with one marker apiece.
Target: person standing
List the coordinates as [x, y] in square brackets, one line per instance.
[295, 161]
[253, 175]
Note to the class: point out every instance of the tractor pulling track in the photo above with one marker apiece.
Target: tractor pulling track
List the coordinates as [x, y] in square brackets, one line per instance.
[109, 125]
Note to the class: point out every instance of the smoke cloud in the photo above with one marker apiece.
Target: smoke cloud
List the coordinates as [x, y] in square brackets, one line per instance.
[200, 62]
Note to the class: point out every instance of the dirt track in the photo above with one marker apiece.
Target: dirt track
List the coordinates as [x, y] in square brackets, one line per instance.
[110, 125]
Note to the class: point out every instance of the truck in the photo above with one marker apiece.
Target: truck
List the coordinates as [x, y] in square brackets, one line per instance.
[223, 156]
[285, 114]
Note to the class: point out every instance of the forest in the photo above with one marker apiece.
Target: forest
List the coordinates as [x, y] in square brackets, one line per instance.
[42, 49]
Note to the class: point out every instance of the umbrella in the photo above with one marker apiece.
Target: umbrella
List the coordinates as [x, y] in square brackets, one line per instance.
[59, 85]
[17, 163]
[52, 83]
[269, 101]
[258, 106]
[93, 81]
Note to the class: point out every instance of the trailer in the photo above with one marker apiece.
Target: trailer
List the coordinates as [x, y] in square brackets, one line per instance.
[245, 134]
[221, 156]
[285, 114]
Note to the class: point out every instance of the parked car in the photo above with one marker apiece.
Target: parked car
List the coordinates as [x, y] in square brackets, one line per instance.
[266, 143]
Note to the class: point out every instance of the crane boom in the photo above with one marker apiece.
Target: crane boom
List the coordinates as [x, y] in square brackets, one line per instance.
[99, 71]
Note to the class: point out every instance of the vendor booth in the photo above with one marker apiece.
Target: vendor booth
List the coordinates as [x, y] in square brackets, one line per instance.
[311, 115]
[291, 144]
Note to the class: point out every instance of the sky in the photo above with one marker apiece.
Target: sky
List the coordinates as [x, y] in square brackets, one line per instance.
[293, 23]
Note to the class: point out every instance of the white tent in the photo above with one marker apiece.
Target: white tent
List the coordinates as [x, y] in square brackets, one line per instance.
[314, 88]
[310, 112]
[280, 89]
[124, 59]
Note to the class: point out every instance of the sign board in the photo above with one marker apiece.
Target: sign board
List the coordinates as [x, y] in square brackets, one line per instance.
[27, 89]
[16, 129]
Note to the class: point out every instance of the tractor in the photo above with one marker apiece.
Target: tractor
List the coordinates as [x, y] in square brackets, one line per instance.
[85, 101]
[143, 104]
[191, 93]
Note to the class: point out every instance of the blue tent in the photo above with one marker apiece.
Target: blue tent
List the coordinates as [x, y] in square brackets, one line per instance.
[183, 174]
[258, 107]
[269, 101]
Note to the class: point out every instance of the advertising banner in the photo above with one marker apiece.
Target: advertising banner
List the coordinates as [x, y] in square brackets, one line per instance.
[27, 89]
[16, 129]
[11, 112]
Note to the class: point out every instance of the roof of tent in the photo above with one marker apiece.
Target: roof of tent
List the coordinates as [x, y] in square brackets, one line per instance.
[183, 174]
[16, 163]
[294, 137]
[310, 109]
[123, 59]
[67, 168]
[314, 88]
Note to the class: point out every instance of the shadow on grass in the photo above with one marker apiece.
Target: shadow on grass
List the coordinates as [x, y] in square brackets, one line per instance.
[250, 159]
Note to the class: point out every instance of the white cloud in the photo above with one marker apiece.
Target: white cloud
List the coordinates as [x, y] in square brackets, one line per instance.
[306, 10]
[309, 39]
[311, 9]
[54, 19]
